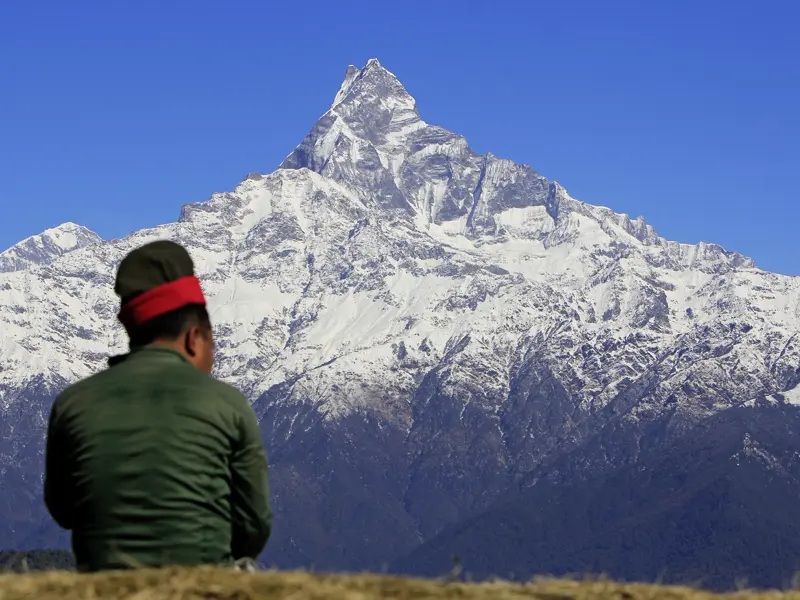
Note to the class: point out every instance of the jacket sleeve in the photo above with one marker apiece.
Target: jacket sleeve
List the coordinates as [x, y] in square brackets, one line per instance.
[59, 495]
[252, 515]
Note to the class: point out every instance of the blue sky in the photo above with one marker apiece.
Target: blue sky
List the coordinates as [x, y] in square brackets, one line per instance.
[114, 114]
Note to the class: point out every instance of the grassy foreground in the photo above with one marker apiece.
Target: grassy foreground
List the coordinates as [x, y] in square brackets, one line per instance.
[216, 584]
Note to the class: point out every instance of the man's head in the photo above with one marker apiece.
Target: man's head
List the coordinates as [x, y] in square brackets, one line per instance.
[162, 303]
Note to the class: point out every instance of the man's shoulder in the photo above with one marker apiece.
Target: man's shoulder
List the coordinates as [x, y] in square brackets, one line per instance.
[84, 384]
[226, 390]
[75, 390]
[212, 386]
[91, 382]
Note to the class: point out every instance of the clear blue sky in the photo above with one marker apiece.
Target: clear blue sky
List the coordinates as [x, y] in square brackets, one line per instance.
[115, 113]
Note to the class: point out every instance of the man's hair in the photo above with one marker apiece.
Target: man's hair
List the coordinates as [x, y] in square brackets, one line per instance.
[171, 325]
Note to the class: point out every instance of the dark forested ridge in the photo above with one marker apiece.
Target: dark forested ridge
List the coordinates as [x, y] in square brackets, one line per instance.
[717, 508]
[21, 561]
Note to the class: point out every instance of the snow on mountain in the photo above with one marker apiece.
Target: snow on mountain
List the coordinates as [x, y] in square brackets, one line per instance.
[791, 397]
[387, 281]
[45, 247]
[380, 229]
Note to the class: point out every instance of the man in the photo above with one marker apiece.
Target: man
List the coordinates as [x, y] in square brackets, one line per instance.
[153, 462]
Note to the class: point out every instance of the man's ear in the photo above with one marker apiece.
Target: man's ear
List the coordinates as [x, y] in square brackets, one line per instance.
[190, 340]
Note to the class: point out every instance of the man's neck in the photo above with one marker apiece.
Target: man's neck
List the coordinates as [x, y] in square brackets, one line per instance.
[174, 345]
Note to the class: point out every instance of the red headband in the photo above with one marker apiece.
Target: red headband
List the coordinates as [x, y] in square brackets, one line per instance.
[161, 299]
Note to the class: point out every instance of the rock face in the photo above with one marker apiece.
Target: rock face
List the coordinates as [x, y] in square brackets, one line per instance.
[422, 331]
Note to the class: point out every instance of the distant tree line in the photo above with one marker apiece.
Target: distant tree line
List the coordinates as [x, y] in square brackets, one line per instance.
[21, 561]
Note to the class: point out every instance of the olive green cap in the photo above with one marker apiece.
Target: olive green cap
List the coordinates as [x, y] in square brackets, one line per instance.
[150, 266]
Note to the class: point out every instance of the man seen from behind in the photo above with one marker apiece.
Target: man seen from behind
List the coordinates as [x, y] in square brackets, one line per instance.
[153, 462]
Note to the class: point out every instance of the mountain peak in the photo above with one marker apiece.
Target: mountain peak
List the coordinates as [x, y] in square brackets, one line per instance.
[366, 129]
[373, 86]
[374, 141]
[47, 246]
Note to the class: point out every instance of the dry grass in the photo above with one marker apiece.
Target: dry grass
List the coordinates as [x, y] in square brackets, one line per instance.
[216, 584]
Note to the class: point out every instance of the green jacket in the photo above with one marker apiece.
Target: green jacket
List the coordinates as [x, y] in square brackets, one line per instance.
[152, 463]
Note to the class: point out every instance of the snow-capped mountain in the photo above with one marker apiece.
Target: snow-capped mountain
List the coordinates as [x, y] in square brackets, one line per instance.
[420, 328]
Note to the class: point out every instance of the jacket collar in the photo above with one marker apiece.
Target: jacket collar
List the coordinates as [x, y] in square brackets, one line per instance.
[155, 352]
